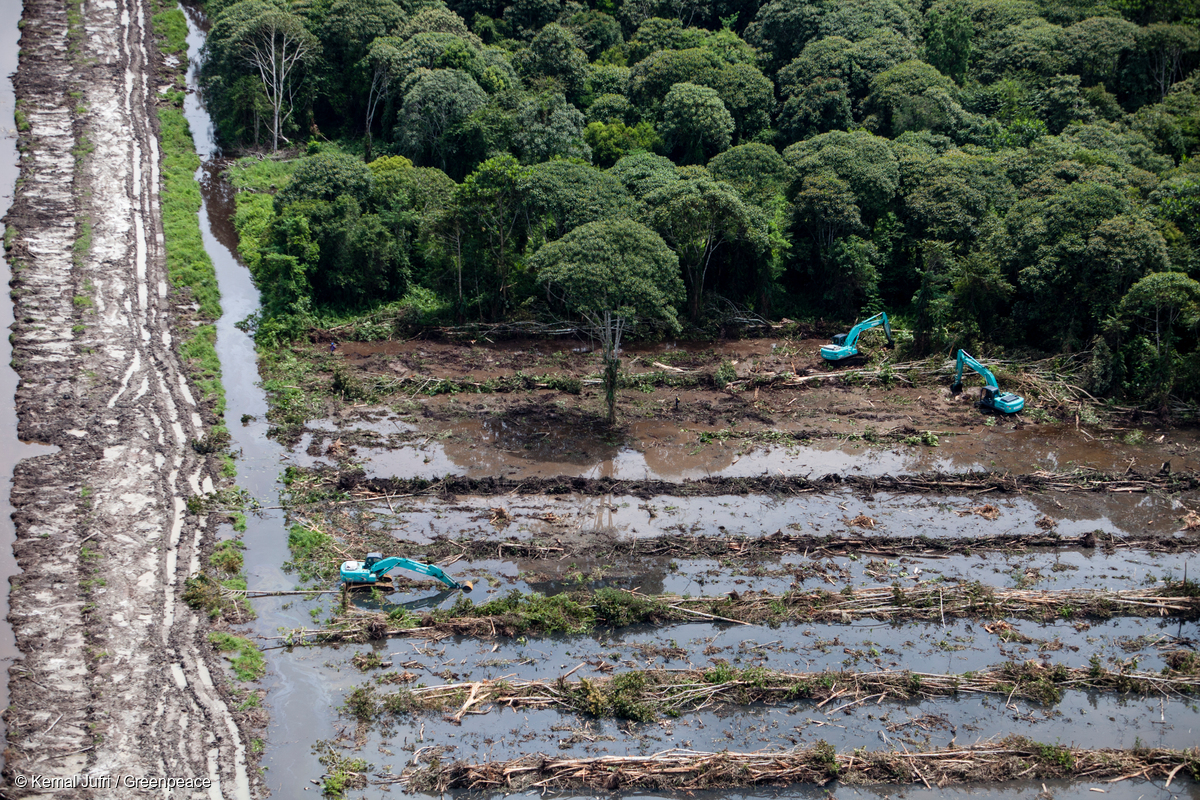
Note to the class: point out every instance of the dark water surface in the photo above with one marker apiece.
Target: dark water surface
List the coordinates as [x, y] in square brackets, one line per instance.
[300, 700]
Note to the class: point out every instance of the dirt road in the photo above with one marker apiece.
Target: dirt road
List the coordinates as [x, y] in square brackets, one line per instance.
[116, 680]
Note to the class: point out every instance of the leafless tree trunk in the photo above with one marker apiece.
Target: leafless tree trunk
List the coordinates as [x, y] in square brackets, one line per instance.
[278, 45]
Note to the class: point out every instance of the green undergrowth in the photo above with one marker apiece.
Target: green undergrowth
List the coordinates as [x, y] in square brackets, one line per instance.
[256, 180]
[647, 695]
[188, 265]
[200, 352]
[575, 612]
[247, 662]
[260, 174]
[171, 29]
[518, 614]
[315, 556]
[214, 589]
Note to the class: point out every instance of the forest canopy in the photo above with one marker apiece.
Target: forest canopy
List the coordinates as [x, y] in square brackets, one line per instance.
[999, 174]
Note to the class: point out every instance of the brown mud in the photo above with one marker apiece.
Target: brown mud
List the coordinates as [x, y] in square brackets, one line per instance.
[972, 483]
[777, 387]
[116, 676]
[779, 544]
[531, 425]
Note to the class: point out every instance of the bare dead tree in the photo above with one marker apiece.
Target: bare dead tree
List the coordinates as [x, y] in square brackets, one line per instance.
[276, 46]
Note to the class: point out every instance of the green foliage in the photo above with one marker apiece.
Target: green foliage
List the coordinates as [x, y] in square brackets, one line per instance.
[695, 217]
[314, 556]
[968, 163]
[171, 28]
[618, 266]
[532, 612]
[188, 264]
[248, 664]
[696, 125]
[724, 374]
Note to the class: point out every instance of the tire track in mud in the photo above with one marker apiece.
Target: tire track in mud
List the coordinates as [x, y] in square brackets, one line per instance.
[115, 679]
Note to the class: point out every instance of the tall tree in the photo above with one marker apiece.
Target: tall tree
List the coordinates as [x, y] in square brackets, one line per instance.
[696, 125]
[611, 273]
[490, 198]
[276, 45]
[696, 217]
[438, 100]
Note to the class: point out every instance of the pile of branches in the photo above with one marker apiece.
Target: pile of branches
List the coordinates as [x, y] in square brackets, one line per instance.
[645, 695]
[689, 770]
[928, 601]
[1082, 480]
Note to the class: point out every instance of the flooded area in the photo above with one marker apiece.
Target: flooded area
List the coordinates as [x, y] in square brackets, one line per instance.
[298, 697]
[482, 443]
[336, 711]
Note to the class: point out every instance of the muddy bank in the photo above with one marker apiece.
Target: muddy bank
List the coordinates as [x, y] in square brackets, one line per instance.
[688, 771]
[736, 408]
[781, 485]
[518, 614]
[12, 449]
[779, 544]
[117, 676]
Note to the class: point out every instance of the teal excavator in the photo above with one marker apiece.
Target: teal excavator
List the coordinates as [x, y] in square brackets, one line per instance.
[992, 397]
[376, 568]
[846, 344]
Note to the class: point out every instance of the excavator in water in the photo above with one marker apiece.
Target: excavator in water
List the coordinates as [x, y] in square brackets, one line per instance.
[375, 569]
[992, 397]
[845, 345]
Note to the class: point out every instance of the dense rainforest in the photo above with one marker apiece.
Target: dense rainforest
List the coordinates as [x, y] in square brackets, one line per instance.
[1001, 175]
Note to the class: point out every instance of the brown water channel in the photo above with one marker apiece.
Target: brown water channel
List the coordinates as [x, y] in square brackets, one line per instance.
[307, 686]
[12, 449]
[300, 700]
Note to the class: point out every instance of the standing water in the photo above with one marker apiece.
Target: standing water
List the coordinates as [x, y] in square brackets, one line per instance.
[304, 685]
[299, 698]
[12, 449]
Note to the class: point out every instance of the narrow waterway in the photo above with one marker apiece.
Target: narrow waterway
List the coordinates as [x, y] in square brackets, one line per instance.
[299, 696]
[12, 449]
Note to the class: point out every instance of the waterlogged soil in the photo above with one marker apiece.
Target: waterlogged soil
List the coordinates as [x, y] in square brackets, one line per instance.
[496, 733]
[840, 520]
[405, 408]
[484, 457]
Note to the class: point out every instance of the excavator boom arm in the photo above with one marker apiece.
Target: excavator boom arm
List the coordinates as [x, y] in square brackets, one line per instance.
[874, 322]
[386, 565]
[984, 372]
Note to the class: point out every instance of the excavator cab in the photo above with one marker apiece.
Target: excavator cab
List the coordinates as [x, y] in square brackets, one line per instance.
[371, 559]
[1004, 402]
[991, 396]
[839, 340]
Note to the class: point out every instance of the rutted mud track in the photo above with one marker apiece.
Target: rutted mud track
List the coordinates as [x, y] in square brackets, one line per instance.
[115, 678]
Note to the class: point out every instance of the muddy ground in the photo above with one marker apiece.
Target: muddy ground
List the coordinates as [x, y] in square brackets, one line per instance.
[492, 459]
[116, 679]
[523, 409]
